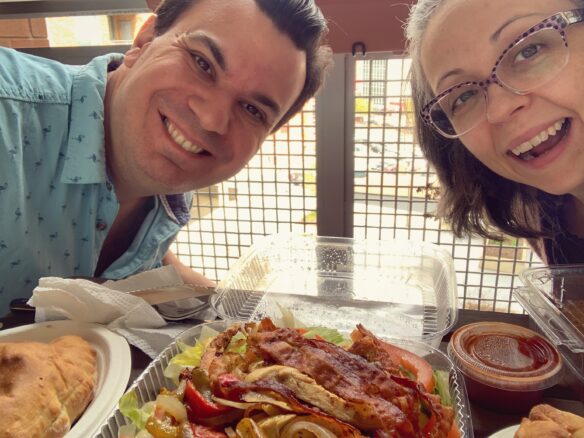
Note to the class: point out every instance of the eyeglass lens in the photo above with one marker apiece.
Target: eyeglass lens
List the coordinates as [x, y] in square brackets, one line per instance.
[529, 64]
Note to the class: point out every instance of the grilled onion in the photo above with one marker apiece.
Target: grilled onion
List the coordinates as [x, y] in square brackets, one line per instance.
[247, 428]
[303, 428]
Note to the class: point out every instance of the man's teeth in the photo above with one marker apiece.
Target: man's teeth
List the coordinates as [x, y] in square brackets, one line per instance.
[539, 138]
[180, 139]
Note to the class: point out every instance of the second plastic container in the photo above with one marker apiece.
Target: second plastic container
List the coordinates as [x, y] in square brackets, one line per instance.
[506, 367]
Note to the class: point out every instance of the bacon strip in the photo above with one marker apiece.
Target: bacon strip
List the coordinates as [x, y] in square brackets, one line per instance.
[349, 376]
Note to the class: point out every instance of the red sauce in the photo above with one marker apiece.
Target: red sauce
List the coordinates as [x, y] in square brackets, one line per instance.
[509, 352]
[506, 368]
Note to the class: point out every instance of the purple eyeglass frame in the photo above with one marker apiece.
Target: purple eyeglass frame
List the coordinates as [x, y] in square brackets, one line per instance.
[558, 21]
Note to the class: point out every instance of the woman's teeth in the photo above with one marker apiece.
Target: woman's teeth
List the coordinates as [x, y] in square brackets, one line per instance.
[180, 139]
[539, 138]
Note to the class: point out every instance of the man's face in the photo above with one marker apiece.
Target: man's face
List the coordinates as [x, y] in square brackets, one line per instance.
[191, 107]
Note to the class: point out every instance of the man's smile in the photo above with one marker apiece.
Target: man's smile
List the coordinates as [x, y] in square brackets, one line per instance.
[180, 139]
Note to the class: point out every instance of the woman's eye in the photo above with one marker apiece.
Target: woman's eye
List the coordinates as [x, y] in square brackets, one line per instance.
[253, 111]
[527, 52]
[462, 99]
[203, 64]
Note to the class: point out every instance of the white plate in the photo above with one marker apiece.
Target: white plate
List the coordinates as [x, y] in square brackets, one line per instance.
[114, 364]
[508, 432]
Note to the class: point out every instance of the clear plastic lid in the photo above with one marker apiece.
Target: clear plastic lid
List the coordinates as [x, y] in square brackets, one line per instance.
[398, 288]
[505, 356]
[554, 297]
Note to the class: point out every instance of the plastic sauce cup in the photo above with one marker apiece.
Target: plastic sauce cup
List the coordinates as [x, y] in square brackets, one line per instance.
[506, 367]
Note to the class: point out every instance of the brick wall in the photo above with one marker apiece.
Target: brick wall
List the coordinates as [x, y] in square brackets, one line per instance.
[23, 33]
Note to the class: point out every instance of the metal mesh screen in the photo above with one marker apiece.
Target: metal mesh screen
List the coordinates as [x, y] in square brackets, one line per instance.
[275, 192]
[396, 192]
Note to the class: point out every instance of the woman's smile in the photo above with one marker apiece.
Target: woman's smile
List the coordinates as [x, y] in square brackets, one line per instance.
[543, 142]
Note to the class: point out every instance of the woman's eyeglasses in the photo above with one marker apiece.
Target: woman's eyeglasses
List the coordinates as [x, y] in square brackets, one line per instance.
[532, 60]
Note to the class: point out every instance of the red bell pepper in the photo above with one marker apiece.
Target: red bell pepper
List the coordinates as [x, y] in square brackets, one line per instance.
[200, 405]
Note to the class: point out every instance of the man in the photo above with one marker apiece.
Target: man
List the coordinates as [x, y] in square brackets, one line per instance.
[100, 159]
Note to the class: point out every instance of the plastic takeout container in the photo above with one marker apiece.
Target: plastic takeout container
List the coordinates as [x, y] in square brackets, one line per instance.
[147, 386]
[506, 367]
[397, 289]
[554, 297]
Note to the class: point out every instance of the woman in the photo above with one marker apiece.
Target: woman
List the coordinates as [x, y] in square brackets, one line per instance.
[499, 101]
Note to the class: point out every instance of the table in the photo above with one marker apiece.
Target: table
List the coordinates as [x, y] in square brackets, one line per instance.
[568, 394]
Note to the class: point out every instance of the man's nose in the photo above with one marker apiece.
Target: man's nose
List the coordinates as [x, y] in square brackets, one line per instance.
[502, 103]
[213, 112]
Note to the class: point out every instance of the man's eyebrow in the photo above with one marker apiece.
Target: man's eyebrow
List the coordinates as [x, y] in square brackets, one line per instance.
[211, 45]
[220, 59]
[497, 33]
[266, 101]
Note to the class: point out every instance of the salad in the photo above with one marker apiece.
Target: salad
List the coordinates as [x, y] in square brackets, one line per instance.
[260, 380]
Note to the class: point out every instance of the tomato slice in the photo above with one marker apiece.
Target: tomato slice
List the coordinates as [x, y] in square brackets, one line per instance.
[453, 432]
[412, 363]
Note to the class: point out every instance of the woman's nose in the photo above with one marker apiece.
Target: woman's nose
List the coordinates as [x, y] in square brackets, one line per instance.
[503, 103]
[213, 112]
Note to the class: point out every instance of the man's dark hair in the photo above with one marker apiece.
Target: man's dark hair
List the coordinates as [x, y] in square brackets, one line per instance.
[301, 20]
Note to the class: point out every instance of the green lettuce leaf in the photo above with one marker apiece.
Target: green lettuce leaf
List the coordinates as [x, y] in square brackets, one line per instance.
[328, 334]
[442, 387]
[190, 356]
[128, 406]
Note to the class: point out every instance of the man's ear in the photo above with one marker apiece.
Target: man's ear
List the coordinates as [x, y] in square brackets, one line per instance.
[146, 32]
[153, 4]
[144, 37]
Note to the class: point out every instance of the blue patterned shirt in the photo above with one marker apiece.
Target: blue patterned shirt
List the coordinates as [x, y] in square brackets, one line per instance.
[56, 201]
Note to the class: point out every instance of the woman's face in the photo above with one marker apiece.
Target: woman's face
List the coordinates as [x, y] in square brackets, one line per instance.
[464, 41]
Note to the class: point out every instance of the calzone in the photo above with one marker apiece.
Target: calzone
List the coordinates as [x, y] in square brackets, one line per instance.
[45, 387]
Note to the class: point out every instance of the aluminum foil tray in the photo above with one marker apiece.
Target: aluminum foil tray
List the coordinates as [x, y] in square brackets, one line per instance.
[152, 379]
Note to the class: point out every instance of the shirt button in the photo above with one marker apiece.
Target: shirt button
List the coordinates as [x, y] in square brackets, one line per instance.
[101, 226]
[108, 186]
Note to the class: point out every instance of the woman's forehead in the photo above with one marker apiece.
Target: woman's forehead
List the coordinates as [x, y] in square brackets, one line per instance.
[464, 32]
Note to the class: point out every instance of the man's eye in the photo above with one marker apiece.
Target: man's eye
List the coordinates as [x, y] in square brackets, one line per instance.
[203, 64]
[254, 111]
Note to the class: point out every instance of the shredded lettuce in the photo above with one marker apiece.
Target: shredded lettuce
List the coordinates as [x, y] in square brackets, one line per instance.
[190, 356]
[442, 386]
[237, 344]
[328, 334]
[288, 320]
[129, 407]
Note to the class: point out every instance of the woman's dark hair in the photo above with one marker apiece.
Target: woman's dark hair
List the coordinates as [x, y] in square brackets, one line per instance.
[301, 20]
[473, 199]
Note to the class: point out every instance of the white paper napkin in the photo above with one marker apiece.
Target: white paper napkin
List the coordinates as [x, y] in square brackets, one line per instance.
[110, 304]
